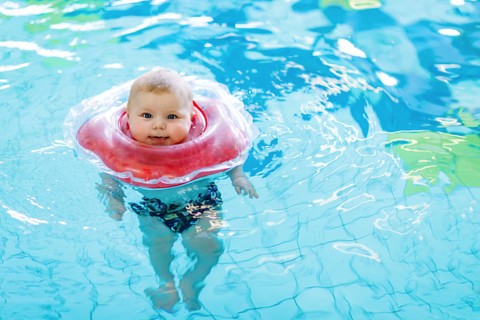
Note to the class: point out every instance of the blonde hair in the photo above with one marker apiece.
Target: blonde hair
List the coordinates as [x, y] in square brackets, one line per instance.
[161, 81]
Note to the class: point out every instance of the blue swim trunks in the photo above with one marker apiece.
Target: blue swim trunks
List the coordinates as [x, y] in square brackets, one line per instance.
[179, 217]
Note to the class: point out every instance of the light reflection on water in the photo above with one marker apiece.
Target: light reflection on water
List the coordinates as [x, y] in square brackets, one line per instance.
[366, 162]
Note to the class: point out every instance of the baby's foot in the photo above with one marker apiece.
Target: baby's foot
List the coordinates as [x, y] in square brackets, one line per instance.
[192, 304]
[190, 293]
[165, 297]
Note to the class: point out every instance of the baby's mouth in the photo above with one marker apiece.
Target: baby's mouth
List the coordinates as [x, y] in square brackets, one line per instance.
[158, 139]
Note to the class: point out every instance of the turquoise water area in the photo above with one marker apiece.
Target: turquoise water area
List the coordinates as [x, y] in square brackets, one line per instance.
[366, 163]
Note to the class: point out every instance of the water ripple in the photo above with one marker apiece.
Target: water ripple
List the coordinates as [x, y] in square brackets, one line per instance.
[15, 10]
[30, 46]
[21, 216]
[357, 249]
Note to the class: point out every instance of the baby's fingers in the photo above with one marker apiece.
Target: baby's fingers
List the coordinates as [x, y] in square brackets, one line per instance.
[253, 193]
[116, 216]
[238, 189]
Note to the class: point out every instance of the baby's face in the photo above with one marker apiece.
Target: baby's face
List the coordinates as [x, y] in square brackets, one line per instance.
[159, 118]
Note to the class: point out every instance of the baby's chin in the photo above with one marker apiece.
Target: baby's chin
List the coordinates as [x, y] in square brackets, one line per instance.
[154, 141]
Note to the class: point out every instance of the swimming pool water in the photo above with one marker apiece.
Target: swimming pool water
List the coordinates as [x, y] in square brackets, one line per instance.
[367, 160]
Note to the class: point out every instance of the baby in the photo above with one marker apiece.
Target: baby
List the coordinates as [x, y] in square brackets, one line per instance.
[159, 113]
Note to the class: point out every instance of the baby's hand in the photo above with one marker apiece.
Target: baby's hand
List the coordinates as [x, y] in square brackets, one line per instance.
[116, 209]
[242, 184]
[116, 215]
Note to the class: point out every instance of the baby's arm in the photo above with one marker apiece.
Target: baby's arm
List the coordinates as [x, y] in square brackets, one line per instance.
[112, 195]
[241, 182]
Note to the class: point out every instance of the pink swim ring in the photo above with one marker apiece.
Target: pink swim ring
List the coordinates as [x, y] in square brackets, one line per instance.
[219, 139]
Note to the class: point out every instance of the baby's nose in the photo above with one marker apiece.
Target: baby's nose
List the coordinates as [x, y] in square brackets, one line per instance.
[159, 124]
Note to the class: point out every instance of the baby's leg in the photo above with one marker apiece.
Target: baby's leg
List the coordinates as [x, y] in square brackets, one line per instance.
[159, 240]
[202, 243]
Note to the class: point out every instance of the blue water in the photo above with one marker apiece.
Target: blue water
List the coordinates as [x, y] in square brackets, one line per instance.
[367, 160]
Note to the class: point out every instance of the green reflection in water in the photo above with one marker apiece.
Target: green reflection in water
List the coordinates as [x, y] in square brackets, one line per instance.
[431, 158]
[60, 12]
[351, 4]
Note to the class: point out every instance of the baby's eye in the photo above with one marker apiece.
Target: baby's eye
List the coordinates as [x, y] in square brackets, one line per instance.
[147, 115]
[172, 116]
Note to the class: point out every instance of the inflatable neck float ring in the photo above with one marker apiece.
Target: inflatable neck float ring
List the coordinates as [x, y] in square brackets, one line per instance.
[219, 139]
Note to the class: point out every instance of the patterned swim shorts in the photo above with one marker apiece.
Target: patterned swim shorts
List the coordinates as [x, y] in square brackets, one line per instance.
[180, 217]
